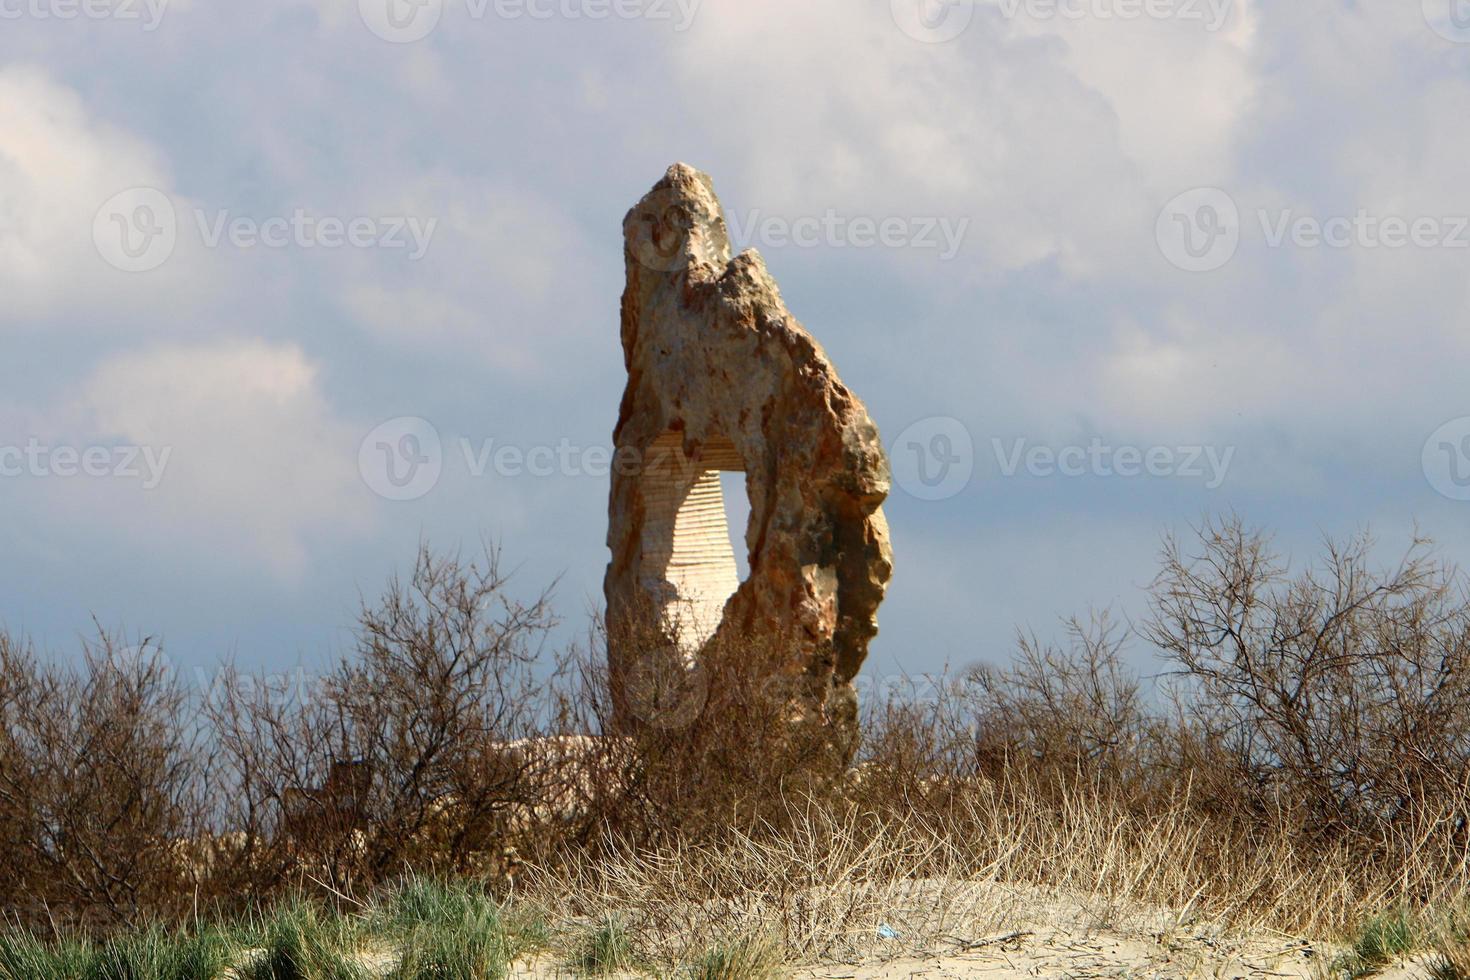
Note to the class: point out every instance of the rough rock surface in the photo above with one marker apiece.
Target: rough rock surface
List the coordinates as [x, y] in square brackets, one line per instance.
[721, 377]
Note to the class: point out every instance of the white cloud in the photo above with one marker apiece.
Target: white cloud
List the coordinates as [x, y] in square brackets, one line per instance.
[1181, 86]
[1056, 138]
[58, 166]
[1059, 140]
[258, 466]
[1355, 350]
[500, 262]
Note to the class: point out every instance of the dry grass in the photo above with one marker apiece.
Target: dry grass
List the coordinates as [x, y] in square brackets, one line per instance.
[1307, 773]
[1452, 950]
[836, 884]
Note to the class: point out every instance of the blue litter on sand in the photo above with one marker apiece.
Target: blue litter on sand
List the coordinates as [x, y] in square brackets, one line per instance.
[886, 931]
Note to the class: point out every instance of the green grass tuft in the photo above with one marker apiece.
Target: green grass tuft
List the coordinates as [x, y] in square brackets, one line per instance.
[1451, 948]
[1381, 940]
[156, 955]
[449, 931]
[606, 949]
[423, 930]
[151, 954]
[747, 958]
[299, 943]
[24, 957]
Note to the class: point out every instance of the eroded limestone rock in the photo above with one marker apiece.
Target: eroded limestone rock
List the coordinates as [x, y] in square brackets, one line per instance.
[721, 377]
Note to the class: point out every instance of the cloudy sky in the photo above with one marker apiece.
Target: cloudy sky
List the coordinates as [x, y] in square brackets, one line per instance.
[1099, 268]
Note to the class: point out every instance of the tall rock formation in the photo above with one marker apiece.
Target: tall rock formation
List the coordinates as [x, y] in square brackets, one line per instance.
[721, 377]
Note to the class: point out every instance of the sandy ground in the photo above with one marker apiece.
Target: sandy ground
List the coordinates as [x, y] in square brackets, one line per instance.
[1101, 955]
[1050, 935]
[1082, 964]
[1061, 941]
[1070, 958]
[1060, 935]
[1076, 958]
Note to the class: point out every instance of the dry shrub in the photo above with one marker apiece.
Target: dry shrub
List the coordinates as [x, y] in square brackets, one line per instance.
[1334, 704]
[706, 749]
[408, 754]
[1055, 719]
[820, 885]
[1306, 765]
[1451, 939]
[102, 772]
[846, 882]
[1064, 710]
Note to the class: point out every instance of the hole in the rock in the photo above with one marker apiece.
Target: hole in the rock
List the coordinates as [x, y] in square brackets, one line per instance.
[692, 562]
[737, 518]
